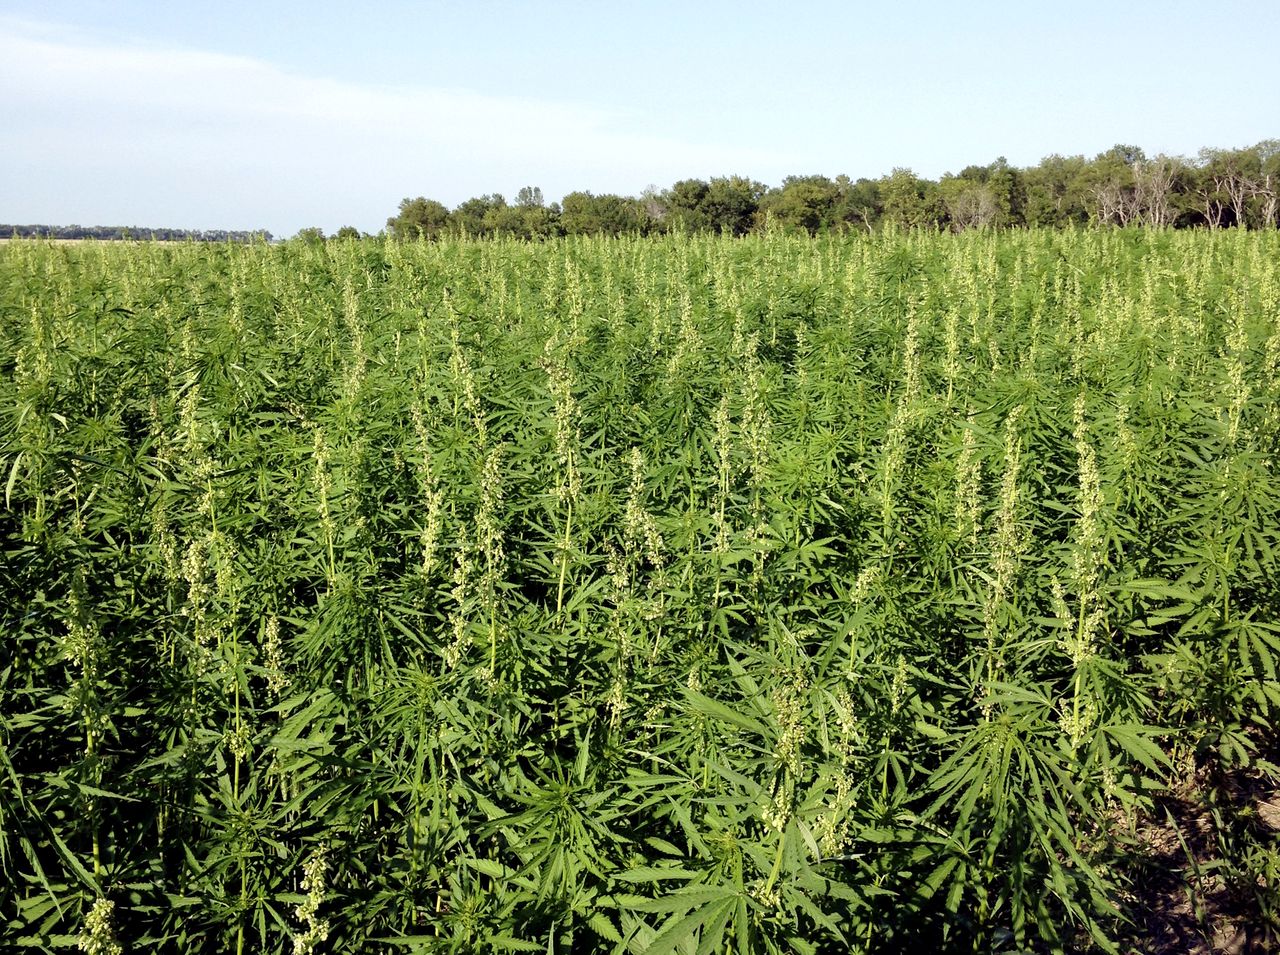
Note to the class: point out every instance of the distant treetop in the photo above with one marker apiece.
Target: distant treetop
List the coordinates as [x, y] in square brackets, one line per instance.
[114, 232]
[1121, 186]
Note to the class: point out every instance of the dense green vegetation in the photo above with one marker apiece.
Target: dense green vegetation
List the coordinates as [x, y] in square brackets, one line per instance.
[691, 594]
[1120, 187]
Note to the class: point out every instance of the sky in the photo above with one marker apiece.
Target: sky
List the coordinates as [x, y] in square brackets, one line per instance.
[281, 115]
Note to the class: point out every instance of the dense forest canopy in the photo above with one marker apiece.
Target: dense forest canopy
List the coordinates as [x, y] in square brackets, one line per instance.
[1122, 186]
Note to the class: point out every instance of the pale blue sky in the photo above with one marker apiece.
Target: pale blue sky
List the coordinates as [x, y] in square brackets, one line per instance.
[287, 114]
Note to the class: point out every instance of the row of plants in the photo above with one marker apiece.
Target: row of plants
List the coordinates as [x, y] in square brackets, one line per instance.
[672, 595]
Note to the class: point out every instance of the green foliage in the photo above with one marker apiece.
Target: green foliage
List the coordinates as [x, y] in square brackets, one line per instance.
[803, 202]
[731, 203]
[911, 202]
[1119, 187]
[582, 213]
[685, 594]
[419, 218]
[1056, 193]
[727, 205]
[686, 203]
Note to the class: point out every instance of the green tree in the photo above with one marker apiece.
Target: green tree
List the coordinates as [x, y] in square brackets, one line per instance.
[530, 197]
[523, 220]
[1057, 194]
[731, 203]
[726, 204]
[479, 215]
[1009, 191]
[803, 202]
[536, 222]
[911, 202]
[861, 205]
[419, 218]
[583, 213]
[685, 204]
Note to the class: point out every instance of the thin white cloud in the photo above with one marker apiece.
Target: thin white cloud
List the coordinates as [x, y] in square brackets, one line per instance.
[114, 132]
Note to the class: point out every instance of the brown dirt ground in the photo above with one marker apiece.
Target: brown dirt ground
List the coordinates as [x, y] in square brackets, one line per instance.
[1181, 900]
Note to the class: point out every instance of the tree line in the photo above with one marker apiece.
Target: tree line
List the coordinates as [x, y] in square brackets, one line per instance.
[115, 232]
[1218, 188]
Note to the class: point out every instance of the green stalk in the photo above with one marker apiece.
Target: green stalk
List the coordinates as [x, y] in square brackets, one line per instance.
[90, 746]
[493, 640]
[564, 557]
